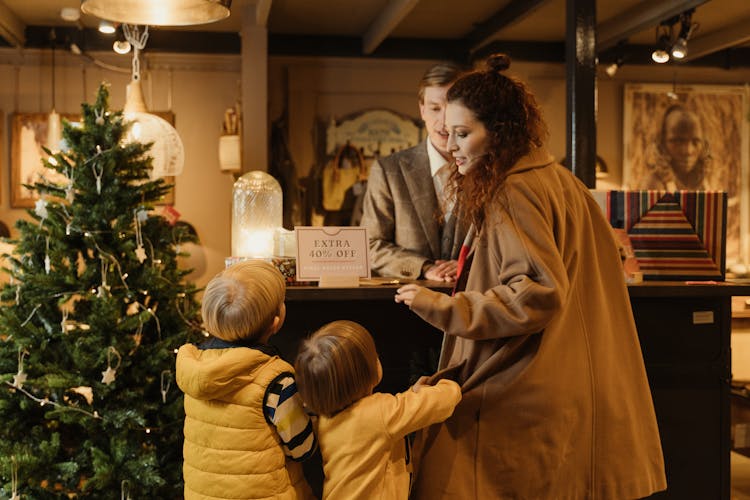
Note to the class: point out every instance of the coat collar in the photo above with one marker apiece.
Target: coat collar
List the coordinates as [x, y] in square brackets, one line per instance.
[537, 158]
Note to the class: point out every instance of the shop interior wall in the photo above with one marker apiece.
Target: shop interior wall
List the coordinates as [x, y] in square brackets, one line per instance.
[311, 91]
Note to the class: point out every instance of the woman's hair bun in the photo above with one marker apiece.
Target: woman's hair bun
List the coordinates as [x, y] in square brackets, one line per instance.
[498, 62]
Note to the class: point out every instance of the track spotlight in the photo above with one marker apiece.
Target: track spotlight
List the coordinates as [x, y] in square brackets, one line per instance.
[679, 49]
[661, 53]
[611, 69]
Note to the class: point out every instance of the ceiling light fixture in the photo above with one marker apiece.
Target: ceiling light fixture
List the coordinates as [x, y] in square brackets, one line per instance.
[121, 46]
[70, 14]
[158, 13]
[663, 41]
[680, 49]
[106, 27]
[611, 70]
[167, 150]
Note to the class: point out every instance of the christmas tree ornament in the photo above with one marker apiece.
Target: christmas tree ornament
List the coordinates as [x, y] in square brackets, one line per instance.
[98, 171]
[40, 208]
[141, 215]
[64, 321]
[103, 289]
[108, 375]
[14, 479]
[21, 376]
[140, 252]
[125, 490]
[99, 113]
[85, 391]
[47, 262]
[166, 382]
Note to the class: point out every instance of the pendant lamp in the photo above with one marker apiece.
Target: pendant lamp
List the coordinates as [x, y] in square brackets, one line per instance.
[158, 12]
[167, 150]
[54, 124]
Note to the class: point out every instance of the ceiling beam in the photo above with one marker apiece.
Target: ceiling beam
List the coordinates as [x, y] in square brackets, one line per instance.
[734, 34]
[646, 14]
[11, 27]
[385, 23]
[513, 12]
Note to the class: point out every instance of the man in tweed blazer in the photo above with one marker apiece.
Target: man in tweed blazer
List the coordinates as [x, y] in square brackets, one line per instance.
[411, 234]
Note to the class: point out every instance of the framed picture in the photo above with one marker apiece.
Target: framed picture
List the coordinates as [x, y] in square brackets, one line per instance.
[691, 137]
[29, 135]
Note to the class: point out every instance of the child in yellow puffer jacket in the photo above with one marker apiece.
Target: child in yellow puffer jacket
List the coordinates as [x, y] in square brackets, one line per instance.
[363, 435]
[245, 426]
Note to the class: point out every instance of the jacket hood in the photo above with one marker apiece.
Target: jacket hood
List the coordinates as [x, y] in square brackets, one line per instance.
[212, 373]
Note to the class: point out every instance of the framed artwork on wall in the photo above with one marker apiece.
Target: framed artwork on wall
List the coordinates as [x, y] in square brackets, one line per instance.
[28, 136]
[691, 137]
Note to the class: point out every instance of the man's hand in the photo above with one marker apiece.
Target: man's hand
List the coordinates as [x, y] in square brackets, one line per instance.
[442, 270]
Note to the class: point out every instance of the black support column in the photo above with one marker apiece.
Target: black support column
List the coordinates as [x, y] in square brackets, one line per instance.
[580, 62]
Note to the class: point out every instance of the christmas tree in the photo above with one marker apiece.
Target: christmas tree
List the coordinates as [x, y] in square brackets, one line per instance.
[93, 313]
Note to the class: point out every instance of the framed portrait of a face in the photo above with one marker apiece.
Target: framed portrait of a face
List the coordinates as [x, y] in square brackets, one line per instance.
[29, 136]
[691, 138]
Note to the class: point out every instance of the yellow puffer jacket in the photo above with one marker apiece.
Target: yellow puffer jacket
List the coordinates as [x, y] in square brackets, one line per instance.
[230, 450]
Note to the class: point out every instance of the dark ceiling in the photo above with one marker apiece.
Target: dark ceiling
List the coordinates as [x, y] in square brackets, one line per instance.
[531, 30]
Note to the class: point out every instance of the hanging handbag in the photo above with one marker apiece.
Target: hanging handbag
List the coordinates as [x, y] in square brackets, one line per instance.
[340, 175]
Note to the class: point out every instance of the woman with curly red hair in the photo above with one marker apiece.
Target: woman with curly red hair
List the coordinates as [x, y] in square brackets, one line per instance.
[556, 402]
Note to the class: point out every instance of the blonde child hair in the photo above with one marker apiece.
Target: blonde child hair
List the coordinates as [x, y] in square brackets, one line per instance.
[240, 303]
[337, 366]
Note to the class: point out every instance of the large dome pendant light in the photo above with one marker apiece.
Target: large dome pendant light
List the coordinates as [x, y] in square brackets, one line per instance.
[158, 12]
[167, 150]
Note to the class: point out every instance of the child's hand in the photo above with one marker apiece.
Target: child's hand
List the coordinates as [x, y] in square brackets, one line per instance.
[420, 383]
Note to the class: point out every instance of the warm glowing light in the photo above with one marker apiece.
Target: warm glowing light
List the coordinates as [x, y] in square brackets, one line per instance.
[167, 150]
[158, 12]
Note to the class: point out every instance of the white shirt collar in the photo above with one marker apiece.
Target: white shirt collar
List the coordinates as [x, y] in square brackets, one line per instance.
[436, 159]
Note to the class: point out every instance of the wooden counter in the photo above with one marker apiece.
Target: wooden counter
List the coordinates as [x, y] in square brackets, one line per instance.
[684, 331]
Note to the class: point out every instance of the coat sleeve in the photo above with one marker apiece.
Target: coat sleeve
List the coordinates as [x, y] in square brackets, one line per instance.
[379, 216]
[521, 241]
[410, 411]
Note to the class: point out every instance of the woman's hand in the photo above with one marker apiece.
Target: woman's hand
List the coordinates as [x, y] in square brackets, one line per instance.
[406, 293]
[442, 270]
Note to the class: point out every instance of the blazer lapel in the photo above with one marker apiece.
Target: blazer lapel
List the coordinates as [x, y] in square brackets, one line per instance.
[415, 171]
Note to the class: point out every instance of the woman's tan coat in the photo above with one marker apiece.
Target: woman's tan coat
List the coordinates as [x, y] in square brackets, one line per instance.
[556, 401]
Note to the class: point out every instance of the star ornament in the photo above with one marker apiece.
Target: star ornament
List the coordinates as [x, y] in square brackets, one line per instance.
[108, 375]
[19, 379]
[140, 254]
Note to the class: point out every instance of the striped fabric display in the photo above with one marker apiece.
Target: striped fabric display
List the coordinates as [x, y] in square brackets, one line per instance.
[675, 235]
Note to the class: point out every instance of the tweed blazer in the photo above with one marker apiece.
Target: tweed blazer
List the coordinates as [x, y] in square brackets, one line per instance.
[402, 215]
[556, 401]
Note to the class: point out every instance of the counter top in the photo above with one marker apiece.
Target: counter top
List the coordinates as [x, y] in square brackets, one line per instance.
[386, 289]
